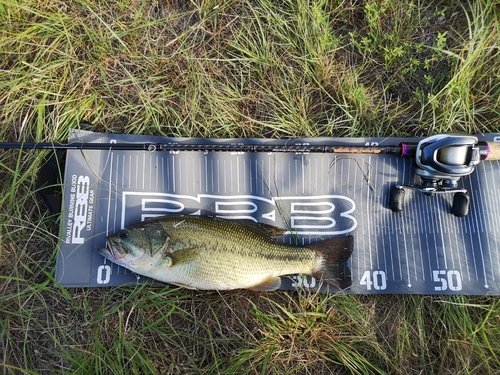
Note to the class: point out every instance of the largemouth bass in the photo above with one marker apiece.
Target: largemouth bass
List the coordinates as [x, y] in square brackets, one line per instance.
[199, 252]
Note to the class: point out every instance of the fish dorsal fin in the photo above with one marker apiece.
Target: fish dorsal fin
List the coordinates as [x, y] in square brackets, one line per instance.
[261, 228]
[269, 284]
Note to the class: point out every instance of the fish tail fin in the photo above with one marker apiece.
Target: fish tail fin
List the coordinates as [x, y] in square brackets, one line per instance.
[332, 258]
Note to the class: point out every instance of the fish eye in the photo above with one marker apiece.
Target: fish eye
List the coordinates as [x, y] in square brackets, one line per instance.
[123, 234]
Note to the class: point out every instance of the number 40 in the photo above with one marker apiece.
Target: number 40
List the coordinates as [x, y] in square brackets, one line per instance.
[377, 279]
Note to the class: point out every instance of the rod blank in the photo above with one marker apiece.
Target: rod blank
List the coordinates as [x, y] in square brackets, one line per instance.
[208, 147]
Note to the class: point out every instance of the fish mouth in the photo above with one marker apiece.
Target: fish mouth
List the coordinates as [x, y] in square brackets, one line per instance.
[112, 251]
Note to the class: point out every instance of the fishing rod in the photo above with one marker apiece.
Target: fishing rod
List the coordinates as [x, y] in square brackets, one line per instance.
[485, 150]
[149, 146]
[440, 160]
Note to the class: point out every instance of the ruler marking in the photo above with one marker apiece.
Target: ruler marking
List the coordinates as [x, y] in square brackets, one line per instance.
[418, 227]
[463, 226]
[422, 209]
[383, 229]
[303, 174]
[136, 171]
[193, 178]
[130, 172]
[316, 171]
[172, 173]
[391, 226]
[480, 205]
[269, 181]
[157, 172]
[245, 183]
[432, 228]
[205, 160]
[123, 172]
[449, 225]
[405, 220]
[148, 171]
[436, 204]
[142, 169]
[369, 222]
[296, 174]
[114, 177]
[473, 251]
[496, 199]
[110, 178]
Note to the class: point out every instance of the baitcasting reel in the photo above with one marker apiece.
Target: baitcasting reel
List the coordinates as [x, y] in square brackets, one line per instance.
[441, 160]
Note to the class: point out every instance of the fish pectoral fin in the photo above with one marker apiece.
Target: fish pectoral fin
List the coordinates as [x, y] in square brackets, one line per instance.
[183, 256]
[269, 284]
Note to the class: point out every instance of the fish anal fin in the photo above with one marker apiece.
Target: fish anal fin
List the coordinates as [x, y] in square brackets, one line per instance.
[268, 285]
[187, 286]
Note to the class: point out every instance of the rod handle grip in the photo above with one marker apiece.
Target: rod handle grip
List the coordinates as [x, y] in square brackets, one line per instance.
[493, 150]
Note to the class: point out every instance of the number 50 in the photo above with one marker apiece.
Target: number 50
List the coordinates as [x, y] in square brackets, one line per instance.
[447, 280]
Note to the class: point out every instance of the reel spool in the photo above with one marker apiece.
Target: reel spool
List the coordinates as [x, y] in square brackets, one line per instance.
[441, 161]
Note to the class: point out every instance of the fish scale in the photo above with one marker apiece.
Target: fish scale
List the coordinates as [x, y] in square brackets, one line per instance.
[226, 261]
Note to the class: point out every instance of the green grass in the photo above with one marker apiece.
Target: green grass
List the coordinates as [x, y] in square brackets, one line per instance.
[234, 68]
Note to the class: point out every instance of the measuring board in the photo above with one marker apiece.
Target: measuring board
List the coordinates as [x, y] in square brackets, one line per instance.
[422, 250]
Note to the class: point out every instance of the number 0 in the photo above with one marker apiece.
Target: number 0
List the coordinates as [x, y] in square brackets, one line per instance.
[454, 280]
[103, 274]
[379, 280]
